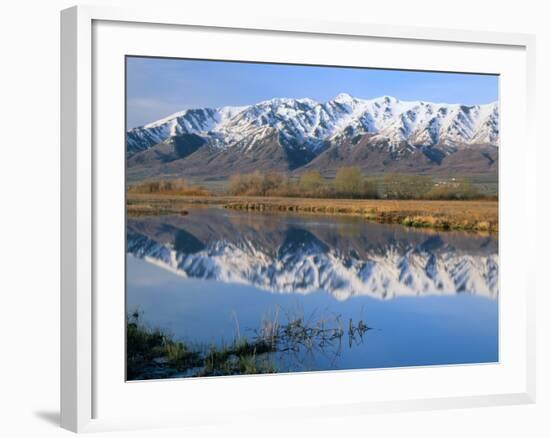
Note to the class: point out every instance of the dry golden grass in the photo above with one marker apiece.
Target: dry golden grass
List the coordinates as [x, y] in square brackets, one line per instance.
[479, 215]
[174, 187]
[145, 208]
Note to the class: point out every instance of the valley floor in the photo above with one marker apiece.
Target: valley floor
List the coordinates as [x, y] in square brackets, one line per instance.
[479, 215]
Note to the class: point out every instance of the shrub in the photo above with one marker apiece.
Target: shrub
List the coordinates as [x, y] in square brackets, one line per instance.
[272, 181]
[370, 190]
[456, 189]
[177, 186]
[311, 182]
[253, 184]
[236, 184]
[399, 186]
[349, 181]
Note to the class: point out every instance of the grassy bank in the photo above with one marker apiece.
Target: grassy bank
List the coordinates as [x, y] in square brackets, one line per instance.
[155, 354]
[143, 204]
[451, 215]
[478, 215]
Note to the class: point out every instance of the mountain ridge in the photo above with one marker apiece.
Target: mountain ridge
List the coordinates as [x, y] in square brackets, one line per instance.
[306, 129]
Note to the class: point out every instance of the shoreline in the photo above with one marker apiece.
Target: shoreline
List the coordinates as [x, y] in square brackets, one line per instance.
[477, 216]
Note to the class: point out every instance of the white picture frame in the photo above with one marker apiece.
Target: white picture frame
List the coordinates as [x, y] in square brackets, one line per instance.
[83, 186]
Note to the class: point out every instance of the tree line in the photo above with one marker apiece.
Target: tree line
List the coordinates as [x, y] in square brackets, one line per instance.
[350, 182]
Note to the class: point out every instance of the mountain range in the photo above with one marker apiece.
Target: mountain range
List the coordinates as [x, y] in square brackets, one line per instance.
[379, 135]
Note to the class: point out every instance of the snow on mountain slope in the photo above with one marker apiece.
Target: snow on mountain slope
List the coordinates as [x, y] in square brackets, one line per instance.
[307, 124]
[192, 121]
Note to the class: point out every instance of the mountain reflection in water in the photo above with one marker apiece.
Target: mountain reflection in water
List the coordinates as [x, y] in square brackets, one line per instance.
[345, 257]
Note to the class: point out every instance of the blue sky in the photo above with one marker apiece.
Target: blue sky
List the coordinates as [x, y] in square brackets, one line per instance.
[157, 87]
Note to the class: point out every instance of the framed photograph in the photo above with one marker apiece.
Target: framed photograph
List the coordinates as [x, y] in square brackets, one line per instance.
[279, 218]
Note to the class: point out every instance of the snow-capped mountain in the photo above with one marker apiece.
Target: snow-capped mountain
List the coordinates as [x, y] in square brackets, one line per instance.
[307, 124]
[290, 135]
[292, 259]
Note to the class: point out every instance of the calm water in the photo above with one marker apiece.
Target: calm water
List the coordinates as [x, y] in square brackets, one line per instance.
[214, 275]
